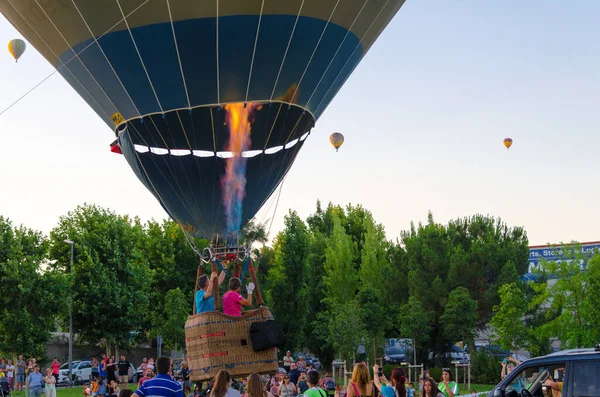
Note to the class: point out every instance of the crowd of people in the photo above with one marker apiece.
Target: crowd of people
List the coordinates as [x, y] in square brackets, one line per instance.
[110, 378]
[28, 376]
[300, 381]
[297, 378]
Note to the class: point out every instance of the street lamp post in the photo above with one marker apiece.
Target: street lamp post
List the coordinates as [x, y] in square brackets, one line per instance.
[72, 244]
[414, 352]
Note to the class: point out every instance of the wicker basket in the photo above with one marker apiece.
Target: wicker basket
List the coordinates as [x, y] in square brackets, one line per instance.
[216, 341]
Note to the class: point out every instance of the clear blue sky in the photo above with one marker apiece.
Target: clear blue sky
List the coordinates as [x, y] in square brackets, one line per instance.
[424, 116]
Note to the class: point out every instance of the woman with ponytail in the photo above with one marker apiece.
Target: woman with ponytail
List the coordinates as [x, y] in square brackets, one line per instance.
[397, 388]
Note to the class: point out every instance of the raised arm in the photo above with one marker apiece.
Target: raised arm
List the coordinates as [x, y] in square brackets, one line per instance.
[248, 301]
[211, 283]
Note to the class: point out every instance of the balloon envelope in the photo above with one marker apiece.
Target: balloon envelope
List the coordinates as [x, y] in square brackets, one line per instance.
[160, 72]
[336, 139]
[508, 142]
[16, 48]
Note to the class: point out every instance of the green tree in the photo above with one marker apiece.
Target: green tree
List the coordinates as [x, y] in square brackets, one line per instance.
[472, 253]
[254, 232]
[346, 329]
[316, 328]
[170, 318]
[33, 296]
[343, 312]
[508, 324]
[110, 276]
[565, 299]
[460, 316]
[341, 278]
[287, 279]
[266, 258]
[374, 267]
[591, 305]
[172, 265]
[317, 324]
[415, 323]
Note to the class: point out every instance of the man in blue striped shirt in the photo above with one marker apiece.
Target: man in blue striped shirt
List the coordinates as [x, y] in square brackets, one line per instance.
[162, 385]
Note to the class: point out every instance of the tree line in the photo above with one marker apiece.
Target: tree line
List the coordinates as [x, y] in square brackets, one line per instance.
[130, 281]
[333, 281]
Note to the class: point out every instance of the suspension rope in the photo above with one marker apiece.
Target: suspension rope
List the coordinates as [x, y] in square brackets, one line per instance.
[106, 58]
[254, 51]
[272, 126]
[140, 56]
[64, 64]
[314, 51]
[350, 57]
[276, 205]
[286, 50]
[178, 56]
[202, 176]
[217, 49]
[193, 209]
[337, 51]
[77, 56]
[27, 93]
[52, 74]
[158, 195]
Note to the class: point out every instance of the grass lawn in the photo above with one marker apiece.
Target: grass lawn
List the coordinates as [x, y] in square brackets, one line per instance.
[67, 391]
[465, 391]
[77, 391]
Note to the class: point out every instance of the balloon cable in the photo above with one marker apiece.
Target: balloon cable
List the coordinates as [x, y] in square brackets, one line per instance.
[276, 205]
[27, 93]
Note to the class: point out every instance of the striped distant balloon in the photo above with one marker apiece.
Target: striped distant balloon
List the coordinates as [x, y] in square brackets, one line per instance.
[16, 48]
[336, 140]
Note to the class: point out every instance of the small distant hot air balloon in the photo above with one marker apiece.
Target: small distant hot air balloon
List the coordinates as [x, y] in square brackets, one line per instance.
[508, 143]
[336, 140]
[16, 48]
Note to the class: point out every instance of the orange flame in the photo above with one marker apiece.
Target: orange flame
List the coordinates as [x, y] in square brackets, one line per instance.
[233, 182]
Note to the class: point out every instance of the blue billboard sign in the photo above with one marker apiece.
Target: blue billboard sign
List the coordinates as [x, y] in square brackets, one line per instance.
[540, 253]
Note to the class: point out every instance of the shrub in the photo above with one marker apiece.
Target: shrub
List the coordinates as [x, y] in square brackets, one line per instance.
[485, 369]
[435, 373]
[388, 368]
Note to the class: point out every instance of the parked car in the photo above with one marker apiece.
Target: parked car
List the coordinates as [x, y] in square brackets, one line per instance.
[497, 351]
[454, 354]
[574, 372]
[82, 372]
[394, 355]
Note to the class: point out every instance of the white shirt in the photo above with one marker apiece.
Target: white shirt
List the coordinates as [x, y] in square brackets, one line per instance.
[232, 393]
[288, 361]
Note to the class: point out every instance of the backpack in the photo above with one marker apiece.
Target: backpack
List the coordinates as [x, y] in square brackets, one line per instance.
[265, 335]
[329, 383]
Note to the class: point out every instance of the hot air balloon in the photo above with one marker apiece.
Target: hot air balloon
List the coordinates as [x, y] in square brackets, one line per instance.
[508, 143]
[336, 140]
[210, 101]
[161, 73]
[16, 48]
